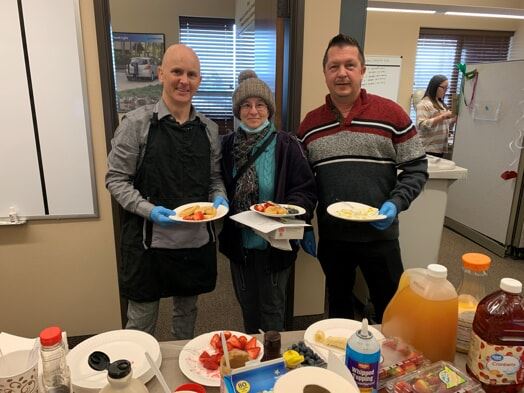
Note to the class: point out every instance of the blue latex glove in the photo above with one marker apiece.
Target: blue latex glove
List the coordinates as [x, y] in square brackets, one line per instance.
[308, 243]
[160, 215]
[390, 211]
[220, 200]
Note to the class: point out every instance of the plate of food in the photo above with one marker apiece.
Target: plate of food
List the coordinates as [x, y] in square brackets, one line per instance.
[199, 360]
[272, 209]
[199, 212]
[332, 335]
[354, 211]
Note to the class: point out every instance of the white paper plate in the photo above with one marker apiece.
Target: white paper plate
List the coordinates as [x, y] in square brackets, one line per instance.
[300, 209]
[191, 366]
[334, 208]
[337, 327]
[221, 212]
[117, 344]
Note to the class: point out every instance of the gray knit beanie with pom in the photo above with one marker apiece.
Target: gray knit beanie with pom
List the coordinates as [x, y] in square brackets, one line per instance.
[250, 86]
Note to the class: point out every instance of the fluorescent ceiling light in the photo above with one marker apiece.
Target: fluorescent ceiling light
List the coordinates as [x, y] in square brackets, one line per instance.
[441, 9]
[484, 15]
[413, 11]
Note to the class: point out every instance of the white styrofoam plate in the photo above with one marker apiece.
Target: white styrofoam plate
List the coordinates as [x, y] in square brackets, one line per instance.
[336, 327]
[117, 344]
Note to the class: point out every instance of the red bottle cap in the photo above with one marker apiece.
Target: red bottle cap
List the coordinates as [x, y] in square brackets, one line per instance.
[50, 336]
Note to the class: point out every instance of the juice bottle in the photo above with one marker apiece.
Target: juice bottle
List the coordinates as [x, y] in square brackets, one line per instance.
[423, 312]
[470, 292]
[496, 352]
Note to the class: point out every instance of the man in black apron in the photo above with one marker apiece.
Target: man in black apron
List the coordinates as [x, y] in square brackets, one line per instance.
[163, 156]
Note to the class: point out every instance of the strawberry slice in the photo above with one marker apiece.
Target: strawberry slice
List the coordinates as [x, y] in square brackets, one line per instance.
[227, 334]
[252, 343]
[243, 341]
[235, 342]
[215, 342]
[253, 352]
[209, 363]
[204, 355]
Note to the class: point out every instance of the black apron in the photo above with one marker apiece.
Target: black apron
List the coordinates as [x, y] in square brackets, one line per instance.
[156, 261]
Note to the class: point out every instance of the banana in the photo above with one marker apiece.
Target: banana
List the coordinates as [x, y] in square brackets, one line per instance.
[330, 341]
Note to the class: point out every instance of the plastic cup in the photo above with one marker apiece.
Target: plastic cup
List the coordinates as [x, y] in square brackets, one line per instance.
[16, 376]
[191, 387]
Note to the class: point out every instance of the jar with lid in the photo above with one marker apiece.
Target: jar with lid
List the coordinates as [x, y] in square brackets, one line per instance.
[471, 291]
[272, 344]
[56, 376]
[120, 378]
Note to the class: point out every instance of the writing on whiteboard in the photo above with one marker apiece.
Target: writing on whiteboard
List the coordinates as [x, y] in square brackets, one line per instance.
[382, 75]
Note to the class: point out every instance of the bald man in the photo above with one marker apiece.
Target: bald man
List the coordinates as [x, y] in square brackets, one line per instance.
[163, 156]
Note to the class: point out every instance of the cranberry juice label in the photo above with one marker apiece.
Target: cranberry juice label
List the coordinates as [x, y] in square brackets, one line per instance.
[496, 364]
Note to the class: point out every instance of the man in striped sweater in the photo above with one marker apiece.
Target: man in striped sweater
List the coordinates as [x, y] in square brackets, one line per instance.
[363, 148]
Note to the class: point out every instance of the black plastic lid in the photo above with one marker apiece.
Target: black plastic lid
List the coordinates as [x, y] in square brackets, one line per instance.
[119, 369]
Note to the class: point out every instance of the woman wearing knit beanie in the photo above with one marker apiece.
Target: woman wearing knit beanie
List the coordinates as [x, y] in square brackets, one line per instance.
[280, 173]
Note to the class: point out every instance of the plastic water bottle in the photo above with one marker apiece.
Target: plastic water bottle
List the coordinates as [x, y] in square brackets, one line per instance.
[56, 377]
[363, 357]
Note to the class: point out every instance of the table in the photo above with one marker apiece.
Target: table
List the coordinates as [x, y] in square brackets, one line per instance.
[174, 377]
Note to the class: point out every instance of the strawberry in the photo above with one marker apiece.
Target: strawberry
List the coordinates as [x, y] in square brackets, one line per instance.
[235, 342]
[204, 355]
[243, 341]
[253, 352]
[209, 363]
[402, 387]
[215, 342]
[227, 334]
[252, 343]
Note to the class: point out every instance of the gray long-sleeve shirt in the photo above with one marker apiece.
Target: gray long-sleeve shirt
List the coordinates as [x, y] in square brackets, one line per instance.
[127, 153]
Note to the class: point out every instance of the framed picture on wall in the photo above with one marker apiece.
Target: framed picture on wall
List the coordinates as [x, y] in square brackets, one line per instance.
[136, 58]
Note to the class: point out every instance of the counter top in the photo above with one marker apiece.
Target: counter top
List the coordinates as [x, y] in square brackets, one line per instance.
[440, 168]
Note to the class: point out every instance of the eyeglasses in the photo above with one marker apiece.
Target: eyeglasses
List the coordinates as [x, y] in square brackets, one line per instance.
[259, 106]
[444, 87]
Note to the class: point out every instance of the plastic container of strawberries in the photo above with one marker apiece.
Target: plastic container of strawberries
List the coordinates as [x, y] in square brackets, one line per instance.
[398, 358]
[441, 377]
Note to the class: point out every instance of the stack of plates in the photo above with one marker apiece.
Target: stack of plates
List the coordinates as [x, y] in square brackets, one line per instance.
[117, 344]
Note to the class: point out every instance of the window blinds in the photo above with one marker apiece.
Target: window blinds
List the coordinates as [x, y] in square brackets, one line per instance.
[440, 50]
[222, 56]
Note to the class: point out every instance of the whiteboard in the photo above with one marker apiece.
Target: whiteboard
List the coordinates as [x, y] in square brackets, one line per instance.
[485, 132]
[382, 75]
[49, 166]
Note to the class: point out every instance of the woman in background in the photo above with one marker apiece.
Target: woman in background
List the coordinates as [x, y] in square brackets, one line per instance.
[434, 118]
[281, 173]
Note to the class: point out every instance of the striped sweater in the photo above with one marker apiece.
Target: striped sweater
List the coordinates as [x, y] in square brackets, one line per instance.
[371, 156]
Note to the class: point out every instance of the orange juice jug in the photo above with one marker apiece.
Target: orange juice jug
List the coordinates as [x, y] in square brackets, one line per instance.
[423, 312]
